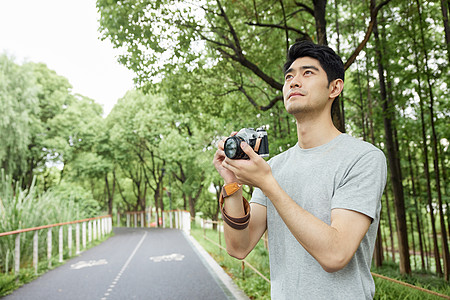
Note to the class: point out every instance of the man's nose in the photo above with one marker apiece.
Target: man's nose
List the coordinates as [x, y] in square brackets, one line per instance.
[295, 82]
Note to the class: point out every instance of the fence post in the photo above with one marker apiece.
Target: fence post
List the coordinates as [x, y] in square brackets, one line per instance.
[128, 220]
[142, 219]
[49, 247]
[83, 234]
[118, 219]
[94, 229]
[204, 228]
[60, 243]
[77, 239]
[35, 251]
[90, 231]
[69, 239]
[17, 255]
[187, 222]
[135, 219]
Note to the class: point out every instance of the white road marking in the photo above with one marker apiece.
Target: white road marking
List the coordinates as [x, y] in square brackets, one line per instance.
[125, 265]
[170, 257]
[86, 264]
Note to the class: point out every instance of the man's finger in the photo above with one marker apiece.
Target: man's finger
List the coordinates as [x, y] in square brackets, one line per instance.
[248, 150]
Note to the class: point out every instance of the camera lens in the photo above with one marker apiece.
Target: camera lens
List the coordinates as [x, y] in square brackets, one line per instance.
[231, 146]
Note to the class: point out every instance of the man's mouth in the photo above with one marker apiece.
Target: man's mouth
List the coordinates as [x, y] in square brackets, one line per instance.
[295, 93]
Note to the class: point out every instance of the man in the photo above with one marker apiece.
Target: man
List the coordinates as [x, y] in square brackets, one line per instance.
[319, 200]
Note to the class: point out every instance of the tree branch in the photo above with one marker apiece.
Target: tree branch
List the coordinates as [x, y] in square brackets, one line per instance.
[285, 27]
[373, 18]
[306, 8]
[252, 101]
[230, 26]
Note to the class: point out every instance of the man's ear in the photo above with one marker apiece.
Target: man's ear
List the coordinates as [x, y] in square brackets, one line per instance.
[336, 87]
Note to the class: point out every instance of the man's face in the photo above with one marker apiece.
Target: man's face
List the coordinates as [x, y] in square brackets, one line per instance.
[306, 89]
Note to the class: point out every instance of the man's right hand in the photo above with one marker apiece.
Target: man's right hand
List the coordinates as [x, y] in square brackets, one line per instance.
[219, 157]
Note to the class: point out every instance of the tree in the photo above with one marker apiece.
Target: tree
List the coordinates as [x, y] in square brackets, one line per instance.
[19, 107]
[161, 36]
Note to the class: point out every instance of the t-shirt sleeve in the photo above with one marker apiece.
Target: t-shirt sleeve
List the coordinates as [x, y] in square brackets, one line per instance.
[259, 197]
[363, 184]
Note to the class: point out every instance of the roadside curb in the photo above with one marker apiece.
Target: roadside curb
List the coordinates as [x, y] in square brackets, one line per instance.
[220, 276]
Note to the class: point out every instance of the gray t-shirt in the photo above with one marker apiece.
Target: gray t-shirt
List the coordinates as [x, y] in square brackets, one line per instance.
[344, 173]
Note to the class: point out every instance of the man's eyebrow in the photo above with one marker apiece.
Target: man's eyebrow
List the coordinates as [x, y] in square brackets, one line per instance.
[288, 71]
[309, 67]
[302, 68]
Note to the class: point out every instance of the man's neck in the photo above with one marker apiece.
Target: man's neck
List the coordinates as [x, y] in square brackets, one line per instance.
[314, 133]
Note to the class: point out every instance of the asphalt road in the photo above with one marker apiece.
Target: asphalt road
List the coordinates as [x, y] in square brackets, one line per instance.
[136, 263]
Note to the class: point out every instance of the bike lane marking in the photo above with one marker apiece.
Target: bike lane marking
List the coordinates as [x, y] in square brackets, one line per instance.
[113, 284]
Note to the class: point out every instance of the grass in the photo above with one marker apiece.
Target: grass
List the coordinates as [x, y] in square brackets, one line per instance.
[422, 279]
[253, 285]
[257, 288]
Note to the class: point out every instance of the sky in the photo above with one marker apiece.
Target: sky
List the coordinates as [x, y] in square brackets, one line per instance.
[64, 35]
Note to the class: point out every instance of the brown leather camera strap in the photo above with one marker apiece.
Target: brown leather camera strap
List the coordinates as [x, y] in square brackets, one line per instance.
[230, 189]
[257, 145]
[236, 223]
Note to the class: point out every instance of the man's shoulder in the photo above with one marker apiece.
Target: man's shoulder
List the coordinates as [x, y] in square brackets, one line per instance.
[357, 146]
[280, 157]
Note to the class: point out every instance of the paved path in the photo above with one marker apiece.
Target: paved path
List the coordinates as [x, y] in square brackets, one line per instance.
[136, 263]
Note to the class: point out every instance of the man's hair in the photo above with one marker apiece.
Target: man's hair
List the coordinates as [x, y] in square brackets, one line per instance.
[328, 59]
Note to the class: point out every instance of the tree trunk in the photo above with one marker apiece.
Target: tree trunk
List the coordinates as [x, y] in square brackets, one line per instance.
[394, 164]
[110, 193]
[445, 247]
[413, 240]
[445, 9]
[321, 23]
[391, 224]
[416, 208]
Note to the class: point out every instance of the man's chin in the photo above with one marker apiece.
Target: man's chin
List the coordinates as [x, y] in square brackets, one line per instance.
[297, 109]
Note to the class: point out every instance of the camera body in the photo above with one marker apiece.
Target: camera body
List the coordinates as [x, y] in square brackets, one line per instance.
[257, 139]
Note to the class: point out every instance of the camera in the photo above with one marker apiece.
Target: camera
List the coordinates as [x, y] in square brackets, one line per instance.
[257, 139]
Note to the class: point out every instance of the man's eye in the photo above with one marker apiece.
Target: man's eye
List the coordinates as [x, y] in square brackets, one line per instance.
[308, 72]
[289, 76]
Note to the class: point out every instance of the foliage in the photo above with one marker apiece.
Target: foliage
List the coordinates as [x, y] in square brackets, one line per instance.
[19, 106]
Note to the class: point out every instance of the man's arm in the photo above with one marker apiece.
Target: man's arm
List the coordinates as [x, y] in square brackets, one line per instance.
[239, 242]
[331, 245]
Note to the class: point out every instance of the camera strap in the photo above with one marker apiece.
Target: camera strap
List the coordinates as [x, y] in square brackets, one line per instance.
[238, 223]
[257, 144]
